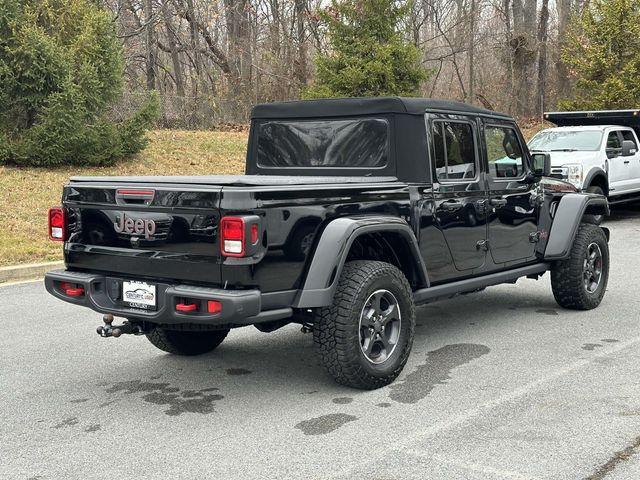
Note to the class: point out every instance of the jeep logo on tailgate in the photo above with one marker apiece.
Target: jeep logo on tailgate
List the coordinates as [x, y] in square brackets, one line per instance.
[137, 226]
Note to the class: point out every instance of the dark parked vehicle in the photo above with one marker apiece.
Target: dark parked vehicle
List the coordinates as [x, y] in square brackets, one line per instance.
[395, 202]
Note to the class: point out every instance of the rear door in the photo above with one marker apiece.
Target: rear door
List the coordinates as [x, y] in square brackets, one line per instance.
[513, 201]
[459, 189]
[621, 171]
[634, 160]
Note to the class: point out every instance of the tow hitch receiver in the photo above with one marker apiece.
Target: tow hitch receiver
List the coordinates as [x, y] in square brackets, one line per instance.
[110, 330]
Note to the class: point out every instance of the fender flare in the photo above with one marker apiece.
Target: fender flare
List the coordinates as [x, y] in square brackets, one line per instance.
[567, 219]
[333, 248]
[594, 172]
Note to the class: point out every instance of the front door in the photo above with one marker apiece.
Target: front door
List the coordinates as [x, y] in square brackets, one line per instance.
[458, 189]
[513, 200]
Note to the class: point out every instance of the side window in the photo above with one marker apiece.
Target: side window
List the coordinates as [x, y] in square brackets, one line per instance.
[503, 152]
[454, 150]
[628, 135]
[613, 141]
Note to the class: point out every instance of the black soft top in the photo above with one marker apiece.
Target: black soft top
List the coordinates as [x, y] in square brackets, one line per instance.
[340, 107]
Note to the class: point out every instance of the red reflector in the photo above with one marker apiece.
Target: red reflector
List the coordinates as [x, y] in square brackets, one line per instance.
[186, 307]
[57, 225]
[254, 234]
[213, 306]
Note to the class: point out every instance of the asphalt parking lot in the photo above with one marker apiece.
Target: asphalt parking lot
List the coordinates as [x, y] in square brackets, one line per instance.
[502, 384]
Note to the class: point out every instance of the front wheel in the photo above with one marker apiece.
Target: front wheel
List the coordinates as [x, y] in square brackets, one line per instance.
[185, 342]
[365, 337]
[579, 282]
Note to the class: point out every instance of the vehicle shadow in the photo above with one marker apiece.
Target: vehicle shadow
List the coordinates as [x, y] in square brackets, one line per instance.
[623, 212]
[253, 367]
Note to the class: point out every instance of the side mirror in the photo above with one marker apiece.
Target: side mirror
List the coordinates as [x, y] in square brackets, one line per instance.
[628, 148]
[541, 164]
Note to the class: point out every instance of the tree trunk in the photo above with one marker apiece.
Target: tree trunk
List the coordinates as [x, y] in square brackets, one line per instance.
[564, 8]
[150, 44]
[175, 57]
[471, 51]
[239, 52]
[302, 70]
[543, 27]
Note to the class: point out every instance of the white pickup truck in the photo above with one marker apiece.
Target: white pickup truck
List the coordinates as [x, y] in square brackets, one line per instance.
[595, 151]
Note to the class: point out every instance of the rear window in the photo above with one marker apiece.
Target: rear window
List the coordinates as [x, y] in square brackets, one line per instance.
[349, 143]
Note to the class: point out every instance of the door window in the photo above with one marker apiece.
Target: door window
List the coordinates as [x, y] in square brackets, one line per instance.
[503, 152]
[454, 151]
[614, 146]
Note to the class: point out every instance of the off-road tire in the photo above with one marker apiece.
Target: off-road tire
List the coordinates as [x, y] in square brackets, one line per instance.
[594, 219]
[336, 328]
[567, 276]
[184, 342]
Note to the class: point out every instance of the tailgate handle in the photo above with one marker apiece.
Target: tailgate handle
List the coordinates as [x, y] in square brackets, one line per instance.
[134, 196]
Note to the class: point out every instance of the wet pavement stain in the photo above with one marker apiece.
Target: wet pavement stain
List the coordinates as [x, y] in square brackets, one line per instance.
[609, 340]
[435, 371]
[547, 311]
[617, 458]
[67, 422]
[590, 346]
[188, 401]
[324, 424]
[238, 371]
[93, 428]
[79, 400]
[383, 405]
[342, 400]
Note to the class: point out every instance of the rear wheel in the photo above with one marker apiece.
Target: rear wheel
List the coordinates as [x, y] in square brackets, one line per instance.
[365, 337]
[186, 342]
[579, 282]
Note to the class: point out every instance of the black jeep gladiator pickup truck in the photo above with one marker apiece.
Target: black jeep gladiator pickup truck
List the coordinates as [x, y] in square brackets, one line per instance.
[351, 213]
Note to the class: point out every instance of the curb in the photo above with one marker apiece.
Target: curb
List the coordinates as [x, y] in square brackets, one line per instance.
[27, 272]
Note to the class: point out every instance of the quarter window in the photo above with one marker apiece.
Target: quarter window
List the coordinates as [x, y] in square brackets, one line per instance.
[503, 152]
[454, 150]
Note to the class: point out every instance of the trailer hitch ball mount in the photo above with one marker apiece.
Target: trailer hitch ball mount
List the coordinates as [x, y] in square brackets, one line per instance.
[110, 330]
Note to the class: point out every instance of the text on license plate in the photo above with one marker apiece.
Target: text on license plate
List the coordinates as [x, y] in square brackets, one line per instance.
[139, 294]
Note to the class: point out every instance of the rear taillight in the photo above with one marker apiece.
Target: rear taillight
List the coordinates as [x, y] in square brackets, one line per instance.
[57, 225]
[232, 236]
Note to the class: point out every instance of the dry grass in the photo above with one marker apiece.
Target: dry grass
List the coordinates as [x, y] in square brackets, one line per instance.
[27, 193]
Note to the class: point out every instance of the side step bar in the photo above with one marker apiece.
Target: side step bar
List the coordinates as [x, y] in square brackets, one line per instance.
[447, 290]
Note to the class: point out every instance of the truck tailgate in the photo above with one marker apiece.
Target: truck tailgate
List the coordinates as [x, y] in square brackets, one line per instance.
[143, 229]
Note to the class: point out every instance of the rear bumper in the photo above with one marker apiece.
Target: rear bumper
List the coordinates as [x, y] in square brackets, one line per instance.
[102, 294]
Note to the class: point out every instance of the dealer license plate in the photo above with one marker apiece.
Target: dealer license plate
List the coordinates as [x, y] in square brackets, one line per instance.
[139, 294]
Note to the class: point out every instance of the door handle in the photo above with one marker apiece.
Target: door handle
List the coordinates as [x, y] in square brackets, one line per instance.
[498, 202]
[452, 205]
[626, 162]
